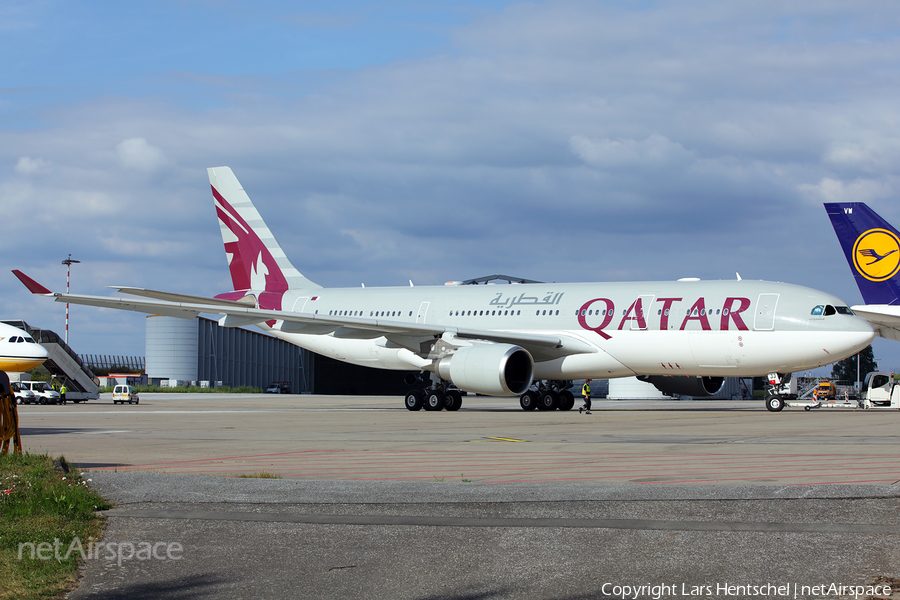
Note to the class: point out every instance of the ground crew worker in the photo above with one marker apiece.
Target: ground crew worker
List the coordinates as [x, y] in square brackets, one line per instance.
[586, 394]
[62, 393]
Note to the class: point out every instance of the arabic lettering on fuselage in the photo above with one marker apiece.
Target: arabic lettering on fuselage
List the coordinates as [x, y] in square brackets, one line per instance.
[636, 315]
[524, 299]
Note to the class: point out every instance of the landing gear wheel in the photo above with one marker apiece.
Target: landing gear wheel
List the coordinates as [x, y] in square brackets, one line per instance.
[548, 401]
[775, 403]
[453, 400]
[528, 400]
[434, 401]
[414, 400]
[566, 400]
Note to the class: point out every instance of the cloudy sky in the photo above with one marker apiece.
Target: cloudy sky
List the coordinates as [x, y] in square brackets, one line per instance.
[385, 141]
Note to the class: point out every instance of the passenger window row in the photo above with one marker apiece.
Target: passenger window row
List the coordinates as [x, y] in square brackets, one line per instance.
[485, 313]
[499, 313]
[359, 313]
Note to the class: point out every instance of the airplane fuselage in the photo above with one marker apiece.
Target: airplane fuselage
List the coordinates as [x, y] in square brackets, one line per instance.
[702, 328]
[18, 350]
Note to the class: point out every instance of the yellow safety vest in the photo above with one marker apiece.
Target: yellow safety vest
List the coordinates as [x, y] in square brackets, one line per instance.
[586, 390]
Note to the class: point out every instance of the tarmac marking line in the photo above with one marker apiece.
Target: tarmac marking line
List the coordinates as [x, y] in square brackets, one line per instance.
[524, 522]
[536, 467]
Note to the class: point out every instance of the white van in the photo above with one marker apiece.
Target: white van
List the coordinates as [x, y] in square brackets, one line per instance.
[43, 393]
[22, 395]
[125, 393]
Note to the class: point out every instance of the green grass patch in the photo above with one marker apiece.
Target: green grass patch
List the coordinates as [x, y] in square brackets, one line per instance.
[259, 475]
[42, 503]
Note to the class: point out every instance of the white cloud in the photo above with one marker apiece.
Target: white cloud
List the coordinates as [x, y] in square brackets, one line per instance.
[33, 166]
[835, 190]
[138, 154]
[654, 151]
[877, 153]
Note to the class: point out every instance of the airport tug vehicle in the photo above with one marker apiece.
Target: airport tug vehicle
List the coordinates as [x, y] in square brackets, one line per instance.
[879, 390]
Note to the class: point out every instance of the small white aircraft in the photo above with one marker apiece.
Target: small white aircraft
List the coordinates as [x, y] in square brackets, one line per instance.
[527, 340]
[18, 350]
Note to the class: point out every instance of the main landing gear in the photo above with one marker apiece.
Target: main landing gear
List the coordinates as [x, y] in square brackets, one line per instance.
[437, 396]
[546, 395]
[549, 395]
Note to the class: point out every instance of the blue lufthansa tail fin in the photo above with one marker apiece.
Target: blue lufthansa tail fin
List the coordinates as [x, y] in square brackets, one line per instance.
[872, 248]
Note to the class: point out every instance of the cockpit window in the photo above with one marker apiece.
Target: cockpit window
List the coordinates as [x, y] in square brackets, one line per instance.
[844, 310]
[828, 310]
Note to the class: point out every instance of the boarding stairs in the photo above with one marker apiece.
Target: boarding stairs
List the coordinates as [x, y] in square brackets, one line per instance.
[64, 364]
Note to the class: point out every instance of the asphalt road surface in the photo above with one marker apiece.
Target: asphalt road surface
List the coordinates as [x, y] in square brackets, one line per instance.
[641, 499]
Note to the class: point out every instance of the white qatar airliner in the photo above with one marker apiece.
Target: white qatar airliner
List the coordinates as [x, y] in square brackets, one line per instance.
[528, 340]
[18, 350]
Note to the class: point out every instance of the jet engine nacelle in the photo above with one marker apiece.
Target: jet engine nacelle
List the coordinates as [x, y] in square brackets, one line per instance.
[490, 369]
[684, 385]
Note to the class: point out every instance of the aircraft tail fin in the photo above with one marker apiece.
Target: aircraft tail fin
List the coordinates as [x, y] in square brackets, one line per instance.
[872, 248]
[255, 258]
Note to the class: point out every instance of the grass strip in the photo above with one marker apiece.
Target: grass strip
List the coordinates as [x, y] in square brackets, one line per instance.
[259, 475]
[42, 501]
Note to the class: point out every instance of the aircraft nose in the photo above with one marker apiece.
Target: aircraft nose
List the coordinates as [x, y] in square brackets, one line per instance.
[859, 335]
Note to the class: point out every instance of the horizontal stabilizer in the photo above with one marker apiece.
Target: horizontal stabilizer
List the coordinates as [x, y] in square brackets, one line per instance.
[885, 319]
[239, 321]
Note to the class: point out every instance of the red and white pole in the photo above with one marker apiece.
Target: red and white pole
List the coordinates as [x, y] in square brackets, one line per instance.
[68, 262]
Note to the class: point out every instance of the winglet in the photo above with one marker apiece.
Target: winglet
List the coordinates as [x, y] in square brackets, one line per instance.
[33, 286]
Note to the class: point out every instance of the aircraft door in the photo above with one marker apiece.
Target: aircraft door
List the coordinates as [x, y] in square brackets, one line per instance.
[299, 304]
[642, 313]
[765, 312]
[423, 311]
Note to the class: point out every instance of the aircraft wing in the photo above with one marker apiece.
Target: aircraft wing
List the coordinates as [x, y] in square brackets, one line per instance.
[171, 297]
[885, 318]
[237, 314]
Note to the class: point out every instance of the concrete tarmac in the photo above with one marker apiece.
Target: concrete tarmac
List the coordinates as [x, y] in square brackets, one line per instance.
[641, 499]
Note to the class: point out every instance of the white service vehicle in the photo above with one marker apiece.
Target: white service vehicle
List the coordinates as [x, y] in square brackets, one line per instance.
[23, 396]
[125, 393]
[880, 389]
[43, 393]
